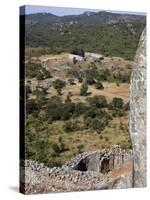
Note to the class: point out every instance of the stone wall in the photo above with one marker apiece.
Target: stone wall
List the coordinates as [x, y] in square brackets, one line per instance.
[101, 161]
[87, 171]
[138, 114]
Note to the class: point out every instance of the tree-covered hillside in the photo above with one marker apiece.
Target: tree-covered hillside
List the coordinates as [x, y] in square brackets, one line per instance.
[104, 33]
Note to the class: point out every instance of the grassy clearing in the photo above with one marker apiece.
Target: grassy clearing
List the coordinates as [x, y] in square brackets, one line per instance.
[110, 91]
[89, 140]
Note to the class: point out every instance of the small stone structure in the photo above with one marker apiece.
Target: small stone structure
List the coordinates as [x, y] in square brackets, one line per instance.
[101, 161]
[87, 171]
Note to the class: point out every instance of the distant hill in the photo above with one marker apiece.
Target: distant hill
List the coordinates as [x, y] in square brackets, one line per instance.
[106, 33]
[101, 17]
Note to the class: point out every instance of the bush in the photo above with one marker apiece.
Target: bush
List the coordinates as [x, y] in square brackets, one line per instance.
[118, 113]
[79, 109]
[67, 110]
[99, 85]
[97, 101]
[32, 69]
[56, 148]
[90, 113]
[89, 79]
[127, 106]
[71, 81]
[96, 119]
[117, 102]
[58, 85]
[31, 106]
[54, 111]
[70, 126]
[80, 79]
[97, 124]
[117, 83]
[46, 73]
[68, 99]
[84, 89]
[40, 76]
[80, 148]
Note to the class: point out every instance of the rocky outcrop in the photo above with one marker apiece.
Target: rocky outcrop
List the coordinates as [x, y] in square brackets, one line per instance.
[138, 114]
[87, 171]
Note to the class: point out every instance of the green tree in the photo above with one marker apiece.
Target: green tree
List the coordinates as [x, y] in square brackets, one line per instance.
[98, 101]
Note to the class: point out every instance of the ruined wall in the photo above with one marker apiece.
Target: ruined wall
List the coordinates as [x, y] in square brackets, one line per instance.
[101, 161]
[92, 174]
[138, 114]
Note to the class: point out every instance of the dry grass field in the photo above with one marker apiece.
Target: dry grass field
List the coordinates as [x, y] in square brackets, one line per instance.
[84, 139]
[110, 91]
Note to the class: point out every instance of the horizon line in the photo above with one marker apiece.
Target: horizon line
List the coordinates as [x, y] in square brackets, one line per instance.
[35, 9]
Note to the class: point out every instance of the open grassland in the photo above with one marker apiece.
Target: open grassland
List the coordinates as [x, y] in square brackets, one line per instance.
[110, 91]
[53, 137]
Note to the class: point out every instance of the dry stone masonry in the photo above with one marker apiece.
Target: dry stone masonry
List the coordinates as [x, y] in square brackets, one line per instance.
[101, 161]
[87, 171]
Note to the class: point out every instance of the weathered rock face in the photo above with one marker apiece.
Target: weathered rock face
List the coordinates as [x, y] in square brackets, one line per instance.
[138, 114]
[87, 171]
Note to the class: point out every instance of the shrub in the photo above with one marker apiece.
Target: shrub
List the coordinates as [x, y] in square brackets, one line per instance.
[84, 89]
[99, 85]
[46, 73]
[56, 148]
[67, 110]
[118, 113]
[90, 113]
[117, 102]
[97, 124]
[53, 111]
[32, 69]
[96, 119]
[89, 79]
[117, 83]
[97, 101]
[70, 126]
[80, 148]
[40, 76]
[31, 106]
[68, 100]
[127, 106]
[71, 81]
[80, 79]
[58, 85]
[79, 109]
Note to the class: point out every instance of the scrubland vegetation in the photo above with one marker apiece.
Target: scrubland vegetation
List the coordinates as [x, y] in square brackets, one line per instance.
[59, 127]
[75, 105]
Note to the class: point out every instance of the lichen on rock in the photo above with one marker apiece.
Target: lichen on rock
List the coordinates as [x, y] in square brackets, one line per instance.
[138, 113]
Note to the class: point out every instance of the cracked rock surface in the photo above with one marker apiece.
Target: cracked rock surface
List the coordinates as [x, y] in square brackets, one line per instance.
[138, 113]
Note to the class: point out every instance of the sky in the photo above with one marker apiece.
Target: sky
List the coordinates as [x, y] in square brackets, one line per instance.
[61, 11]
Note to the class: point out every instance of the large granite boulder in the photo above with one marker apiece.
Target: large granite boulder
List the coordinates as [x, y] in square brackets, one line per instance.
[138, 114]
